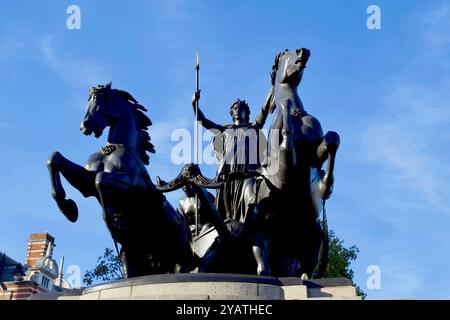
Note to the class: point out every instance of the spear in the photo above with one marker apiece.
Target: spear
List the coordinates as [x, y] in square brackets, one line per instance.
[197, 82]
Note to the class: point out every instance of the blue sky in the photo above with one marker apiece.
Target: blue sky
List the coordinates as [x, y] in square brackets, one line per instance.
[385, 91]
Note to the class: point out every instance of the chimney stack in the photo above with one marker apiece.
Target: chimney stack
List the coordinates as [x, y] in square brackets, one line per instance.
[39, 245]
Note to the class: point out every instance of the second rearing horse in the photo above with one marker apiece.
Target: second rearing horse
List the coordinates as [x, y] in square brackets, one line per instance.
[287, 232]
[154, 237]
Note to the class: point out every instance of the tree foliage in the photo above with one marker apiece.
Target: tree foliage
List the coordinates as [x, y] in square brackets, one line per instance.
[108, 268]
[340, 259]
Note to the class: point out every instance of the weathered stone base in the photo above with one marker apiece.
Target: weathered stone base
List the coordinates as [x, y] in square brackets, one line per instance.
[202, 286]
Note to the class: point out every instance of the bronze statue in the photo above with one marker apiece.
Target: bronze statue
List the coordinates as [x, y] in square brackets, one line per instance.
[283, 230]
[154, 237]
[270, 193]
[292, 188]
[189, 207]
[239, 148]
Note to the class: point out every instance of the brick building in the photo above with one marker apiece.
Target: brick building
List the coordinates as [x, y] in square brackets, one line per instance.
[39, 274]
[38, 246]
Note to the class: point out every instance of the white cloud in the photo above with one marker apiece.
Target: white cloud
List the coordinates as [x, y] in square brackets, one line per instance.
[406, 147]
[409, 138]
[437, 24]
[408, 142]
[10, 49]
[161, 132]
[76, 71]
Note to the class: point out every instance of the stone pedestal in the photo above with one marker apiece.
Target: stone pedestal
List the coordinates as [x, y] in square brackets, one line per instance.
[204, 286]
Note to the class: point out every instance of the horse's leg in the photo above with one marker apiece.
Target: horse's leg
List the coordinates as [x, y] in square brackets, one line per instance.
[109, 185]
[259, 225]
[310, 254]
[127, 273]
[285, 155]
[134, 261]
[249, 197]
[76, 175]
[286, 127]
[120, 208]
[181, 257]
[327, 150]
[260, 250]
[281, 154]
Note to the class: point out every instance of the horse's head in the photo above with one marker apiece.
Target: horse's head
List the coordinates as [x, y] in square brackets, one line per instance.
[105, 106]
[100, 111]
[110, 107]
[289, 66]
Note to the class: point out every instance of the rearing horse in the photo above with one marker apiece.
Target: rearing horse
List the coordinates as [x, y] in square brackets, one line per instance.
[288, 235]
[154, 237]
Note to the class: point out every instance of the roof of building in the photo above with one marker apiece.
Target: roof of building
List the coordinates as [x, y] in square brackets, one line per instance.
[7, 267]
[39, 236]
[46, 264]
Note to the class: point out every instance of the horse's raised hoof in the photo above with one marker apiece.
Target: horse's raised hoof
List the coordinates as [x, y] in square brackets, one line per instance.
[333, 141]
[69, 209]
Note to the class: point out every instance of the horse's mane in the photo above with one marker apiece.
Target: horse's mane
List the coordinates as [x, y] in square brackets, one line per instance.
[143, 123]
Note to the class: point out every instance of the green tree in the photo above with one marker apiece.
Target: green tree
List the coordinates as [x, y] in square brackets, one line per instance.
[108, 268]
[340, 259]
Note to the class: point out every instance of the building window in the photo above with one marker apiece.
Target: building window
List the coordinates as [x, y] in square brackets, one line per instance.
[45, 282]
